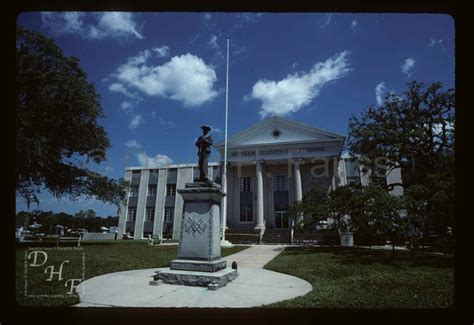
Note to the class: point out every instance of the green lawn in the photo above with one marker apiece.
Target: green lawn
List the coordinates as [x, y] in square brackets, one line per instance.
[100, 258]
[361, 278]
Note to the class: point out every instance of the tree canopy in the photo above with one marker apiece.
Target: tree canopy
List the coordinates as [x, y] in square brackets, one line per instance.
[369, 211]
[413, 131]
[57, 111]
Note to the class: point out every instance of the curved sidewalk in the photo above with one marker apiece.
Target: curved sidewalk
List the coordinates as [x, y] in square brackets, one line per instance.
[253, 287]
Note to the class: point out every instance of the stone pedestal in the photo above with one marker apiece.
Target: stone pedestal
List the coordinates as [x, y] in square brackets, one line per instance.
[199, 260]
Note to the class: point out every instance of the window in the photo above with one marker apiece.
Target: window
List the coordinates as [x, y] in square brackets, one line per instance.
[132, 214]
[169, 213]
[171, 190]
[246, 213]
[352, 171]
[150, 214]
[134, 190]
[280, 183]
[246, 184]
[151, 190]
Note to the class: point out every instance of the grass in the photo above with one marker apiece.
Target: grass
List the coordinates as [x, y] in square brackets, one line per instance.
[360, 278]
[100, 258]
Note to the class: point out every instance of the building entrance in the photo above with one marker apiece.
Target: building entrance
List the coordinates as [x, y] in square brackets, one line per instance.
[281, 219]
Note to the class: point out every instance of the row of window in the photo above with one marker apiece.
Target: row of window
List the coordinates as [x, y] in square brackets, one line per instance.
[170, 190]
[150, 214]
[280, 183]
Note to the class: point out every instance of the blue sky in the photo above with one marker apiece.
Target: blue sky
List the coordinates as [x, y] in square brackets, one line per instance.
[162, 75]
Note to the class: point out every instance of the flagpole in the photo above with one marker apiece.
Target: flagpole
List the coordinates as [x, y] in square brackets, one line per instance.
[224, 172]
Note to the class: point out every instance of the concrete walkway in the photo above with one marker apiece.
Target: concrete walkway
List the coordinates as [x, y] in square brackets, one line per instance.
[253, 287]
[255, 257]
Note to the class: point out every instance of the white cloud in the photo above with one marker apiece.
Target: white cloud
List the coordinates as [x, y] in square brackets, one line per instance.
[135, 122]
[408, 66]
[166, 124]
[327, 20]
[98, 25]
[126, 107]
[157, 161]
[194, 38]
[119, 88]
[132, 143]
[239, 51]
[434, 42]
[212, 42]
[207, 16]
[294, 65]
[67, 22]
[298, 90]
[218, 57]
[380, 92]
[249, 17]
[162, 51]
[184, 78]
[354, 24]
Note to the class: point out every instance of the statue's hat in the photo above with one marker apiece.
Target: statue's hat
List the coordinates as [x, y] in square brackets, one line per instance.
[204, 127]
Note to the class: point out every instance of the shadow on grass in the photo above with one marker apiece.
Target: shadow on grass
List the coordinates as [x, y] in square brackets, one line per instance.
[397, 259]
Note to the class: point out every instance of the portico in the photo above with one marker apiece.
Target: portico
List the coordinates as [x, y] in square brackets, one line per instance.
[272, 164]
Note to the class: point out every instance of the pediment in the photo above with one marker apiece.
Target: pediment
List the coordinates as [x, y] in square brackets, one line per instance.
[278, 130]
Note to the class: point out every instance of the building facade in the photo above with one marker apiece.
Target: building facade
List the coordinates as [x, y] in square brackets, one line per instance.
[270, 165]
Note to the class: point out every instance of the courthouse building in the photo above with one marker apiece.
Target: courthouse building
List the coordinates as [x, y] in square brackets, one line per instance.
[270, 165]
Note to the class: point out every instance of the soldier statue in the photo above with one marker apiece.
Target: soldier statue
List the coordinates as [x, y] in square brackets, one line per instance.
[204, 143]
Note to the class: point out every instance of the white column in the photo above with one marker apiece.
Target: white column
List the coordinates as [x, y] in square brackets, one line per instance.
[259, 175]
[298, 186]
[141, 204]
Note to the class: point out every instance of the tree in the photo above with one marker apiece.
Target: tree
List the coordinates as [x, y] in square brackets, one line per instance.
[413, 131]
[57, 112]
[312, 208]
[371, 212]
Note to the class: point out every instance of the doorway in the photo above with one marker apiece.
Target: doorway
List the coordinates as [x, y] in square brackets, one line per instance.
[281, 220]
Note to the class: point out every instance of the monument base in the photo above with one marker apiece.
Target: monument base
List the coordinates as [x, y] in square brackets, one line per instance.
[194, 278]
[200, 266]
[199, 261]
